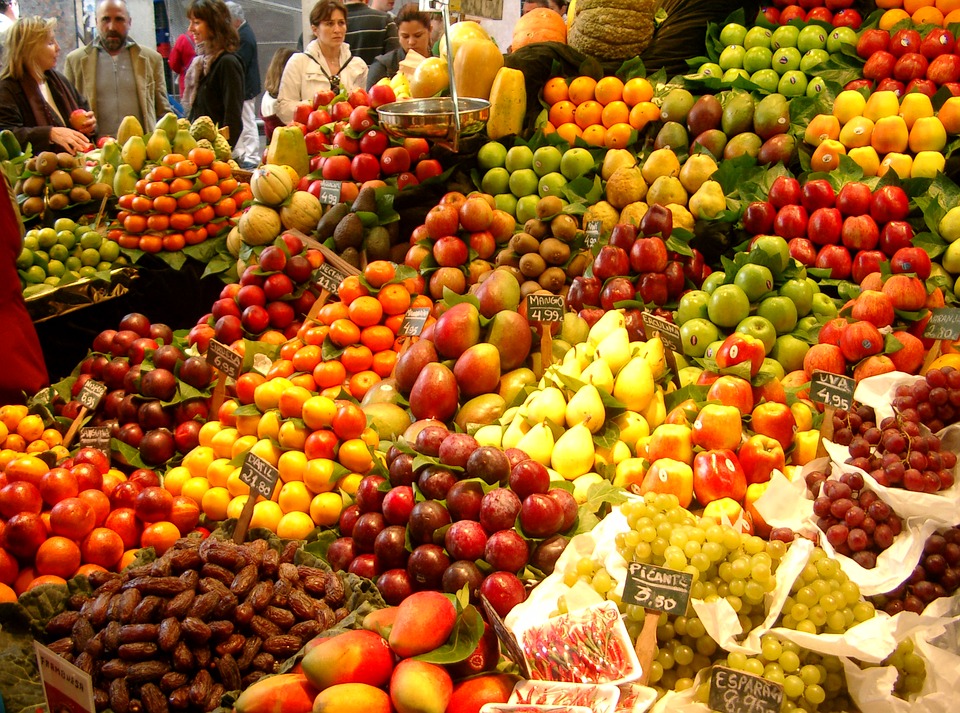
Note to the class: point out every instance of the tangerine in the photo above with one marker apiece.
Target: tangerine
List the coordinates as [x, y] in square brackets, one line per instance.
[556, 90]
[582, 89]
[609, 89]
[379, 272]
[57, 556]
[102, 547]
[160, 535]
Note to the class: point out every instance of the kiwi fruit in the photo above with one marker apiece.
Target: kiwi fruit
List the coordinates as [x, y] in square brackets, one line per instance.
[564, 227]
[536, 227]
[32, 206]
[47, 163]
[31, 165]
[33, 186]
[578, 265]
[553, 279]
[528, 288]
[532, 265]
[515, 271]
[99, 190]
[523, 243]
[548, 206]
[81, 176]
[79, 194]
[508, 258]
[60, 181]
[57, 201]
[66, 161]
[554, 252]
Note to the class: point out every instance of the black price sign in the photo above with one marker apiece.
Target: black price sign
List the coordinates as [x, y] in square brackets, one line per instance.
[832, 389]
[592, 231]
[668, 331]
[513, 649]
[413, 321]
[944, 324]
[329, 192]
[91, 393]
[545, 308]
[657, 588]
[738, 692]
[329, 277]
[259, 475]
[96, 437]
[223, 358]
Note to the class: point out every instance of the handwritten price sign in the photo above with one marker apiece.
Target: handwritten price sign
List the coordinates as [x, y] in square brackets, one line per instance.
[329, 277]
[668, 331]
[259, 475]
[738, 692]
[91, 393]
[329, 192]
[545, 308]
[944, 324]
[658, 588]
[832, 389]
[223, 358]
[413, 321]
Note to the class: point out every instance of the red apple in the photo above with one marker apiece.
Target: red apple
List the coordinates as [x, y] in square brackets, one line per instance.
[717, 426]
[825, 226]
[865, 262]
[738, 349]
[817, 193]
[784, 191]
[879, 66]
[837, 259]
[871, 42]
[803, 250]
[937, 42]
[717, 474]
[759, 456]
[859, 232]
[904, 41]
[911, 260]
[874, 307]
[776, 421]
[732, 391]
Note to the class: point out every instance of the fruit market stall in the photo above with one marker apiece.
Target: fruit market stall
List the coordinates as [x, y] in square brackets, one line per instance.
[643, 397]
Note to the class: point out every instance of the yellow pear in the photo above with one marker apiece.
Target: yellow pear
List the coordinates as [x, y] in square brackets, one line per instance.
[548, 404]
[614, 159]
[656, 411]
[615, 350]
[681, 216]
[582, 485]
[667, 190]
[569, 367]
[599, 374]
[620, 451]
[662, 162]
[653, 351]
[609, 322]
[632, 427]
[634, 386]
[538, 443]
[696, 170]
[514, 433]
[708, 201]
[489, 435]
[587, 407]
[573, 453]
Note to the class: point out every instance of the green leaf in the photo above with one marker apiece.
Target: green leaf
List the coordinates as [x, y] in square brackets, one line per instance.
[175, 260]
[130, 454]
[252, 349]
[330, 351]
[608, 435]
[205, 251]
[463, 639]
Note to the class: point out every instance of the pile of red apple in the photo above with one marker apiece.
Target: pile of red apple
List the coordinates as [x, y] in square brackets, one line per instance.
[345, 142]
[475, 496]
[275, 293]
[905, 61]
[839, 13]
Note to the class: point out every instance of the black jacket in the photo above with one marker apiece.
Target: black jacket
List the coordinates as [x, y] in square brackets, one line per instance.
[220, 95]
[247, 52]
[16, 114]
[385, 65]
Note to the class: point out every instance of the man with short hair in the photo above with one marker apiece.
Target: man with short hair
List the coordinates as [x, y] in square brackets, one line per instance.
[118, 76]
[9, 13]
[246, 150]
[384, 6]
[370, 32]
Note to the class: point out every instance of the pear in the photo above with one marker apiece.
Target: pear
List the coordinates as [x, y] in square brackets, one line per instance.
[696, 170]
[538, 443]
[614, 159]
[660, 163]
[107, 174]
[615, 350]
[110, 153]
[573, 454]
[582, 485]
[634, 386]
[620, 451]
[653, 351]
[574, 328]
[514, 433]
[632, 427]
[491, 435]
[569, 367]
[125, 180]
[586, 407]
[949, 226]
[548, 404]
[708, 201]
[609, 322]
[134, 153]
[656, 411]
[598, 373]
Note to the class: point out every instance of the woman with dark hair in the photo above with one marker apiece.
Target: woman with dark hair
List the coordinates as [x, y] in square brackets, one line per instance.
[271, 87]
[327, 63]
[217, 72]
[414, 32]
[38, 103]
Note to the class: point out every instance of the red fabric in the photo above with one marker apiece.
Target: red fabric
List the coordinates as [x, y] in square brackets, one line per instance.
[21, 360]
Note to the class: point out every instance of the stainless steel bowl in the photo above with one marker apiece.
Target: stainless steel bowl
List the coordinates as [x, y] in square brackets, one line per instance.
[432, 118]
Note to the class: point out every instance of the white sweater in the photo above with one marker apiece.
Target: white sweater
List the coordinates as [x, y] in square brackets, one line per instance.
[303, 77]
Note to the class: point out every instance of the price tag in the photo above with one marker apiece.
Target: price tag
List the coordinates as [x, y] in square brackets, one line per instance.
[413, 321]
[259, 475]
[66, 687]
[944, 324]
[592, 231]
[545, 308]
[329, 277]
[223, 358]
[738, 692]
[832, 389]
[329, 192]
[96, 437]
[91, 393]
[658, 588]
[668, 331]
[513, 649]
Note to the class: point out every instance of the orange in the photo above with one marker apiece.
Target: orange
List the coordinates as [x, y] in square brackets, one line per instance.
[102, 547]
[46, 579]
[595, 135]
[307, 358]
[892, 17]
[358, 358]
[365, 311]
[377, 338]
[288, 350]
[582, 89]
[210, 194]
[208, 177]
[304, 380]
[912, 6]
[362, 382]
[379, 272]
[548, 129]
[609, 89]
[395, 299]
[329, 373]
[948, 7]
[637, 90]
[7, 594]
[355, 456]
[203, 214]
[128, 557]
[280, 368]
[314, 336]
[569, 132]
[561, 112]
[588, 113]
[616, 112]
[331, 312]
[292, 400]
[349, 420]
[384, 362]
[160, 535]
[555, 90]
[887, 4]
[222, 169]
[351, 288]
[58, 556]
[618, 136]
[9, 568]
[927, 16]
[188, 201]
[186, 168]
[201, 157]
[134, 223]
[343, 333]
[643, 113]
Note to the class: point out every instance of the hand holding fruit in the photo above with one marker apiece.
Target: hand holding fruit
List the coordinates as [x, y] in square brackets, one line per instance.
[83, 121]
[70, 139]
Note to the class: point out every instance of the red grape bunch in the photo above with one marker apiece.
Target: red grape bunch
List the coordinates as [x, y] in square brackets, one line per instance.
[934, 400]
[936, 575]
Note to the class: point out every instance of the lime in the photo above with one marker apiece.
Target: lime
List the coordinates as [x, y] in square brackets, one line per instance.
[30, 241]
[104, 266]
[89, 257]
[527, 208]
[64, 224]
[551, 185]
[546, 159]
[109, 250]
[58, 252]
[91, 240]
[507, 202]
[519, 157]
[523, 182]
[56, 268]
[41, 258]
[46, 237]
[120, 260]
[35, 275]
[491, 155]
[87, 271]
[73, 263]
[496, 180]
[67, 239]
[52, 280]
[24, 259]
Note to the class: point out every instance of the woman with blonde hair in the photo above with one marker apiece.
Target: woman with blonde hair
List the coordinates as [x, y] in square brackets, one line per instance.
[37, 103]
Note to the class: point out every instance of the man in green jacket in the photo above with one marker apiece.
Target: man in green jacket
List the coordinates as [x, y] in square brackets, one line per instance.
[119, 77]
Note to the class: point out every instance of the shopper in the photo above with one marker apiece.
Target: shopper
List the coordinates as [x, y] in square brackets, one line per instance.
[247, 147]
[414, 31]
[180, 58]
[120, 77]
[21, 364]
[271, 87]
[384, 6]
[529, 5]
[217, 70]
[370, 32]
[37, 103]
[9, 12]
[327, 63]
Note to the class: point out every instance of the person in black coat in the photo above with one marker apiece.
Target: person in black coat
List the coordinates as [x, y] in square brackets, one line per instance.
[217, 69]
[37, 103]
[247, 148]
[414, 32]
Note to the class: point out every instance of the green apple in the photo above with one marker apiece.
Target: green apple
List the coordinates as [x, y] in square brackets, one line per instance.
[693, 305]
[766, 79]
[546, 159]
[812, 58]
[710, 69]
[757, 37]
[712, 348]
[781, 312]
[576, 162]
[713, 281]
[814, 285]
[784, 59]
[697, 334]
[800, 293]
[784, 36]
[809, 323]
[496, 180]
[815, 87]
[948, 227]
[790, 351]
[772, 367]
[841, 36]
[551, 184]
[507, 202]
[793, 83]
[733, 34]
[728, 305]
[754, 280]
[823, 306]
[811, 37]
[527, 207]
[761, 328]
[732, 74]
[523, 182]
[491, 155]
[757, 58]
[773, 251]
[518, 158]
[731, 57]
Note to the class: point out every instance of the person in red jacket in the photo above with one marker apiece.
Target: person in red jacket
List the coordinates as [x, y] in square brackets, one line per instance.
[22, 369]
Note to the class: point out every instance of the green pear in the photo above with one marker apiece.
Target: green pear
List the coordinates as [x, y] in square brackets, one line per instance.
[949, 226]
[615, 350]
[573, 453]
[125, 180]
[587, 407]
[634, 386]
[574, 328]
[609, 322]
[598, 373]
[547, 404]
[158, 145]
[697, 169]
[538, 443]
[183, 142]
[110, 153]
[168, 122]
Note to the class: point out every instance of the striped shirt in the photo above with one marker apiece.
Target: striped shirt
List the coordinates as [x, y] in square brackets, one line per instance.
[370, 32]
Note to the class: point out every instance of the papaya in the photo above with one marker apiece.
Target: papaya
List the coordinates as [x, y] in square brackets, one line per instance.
[508, 103]
[129, 127]
[110, 153]
[475, 67]
[284, 693]
[10, 143]
[289, 148]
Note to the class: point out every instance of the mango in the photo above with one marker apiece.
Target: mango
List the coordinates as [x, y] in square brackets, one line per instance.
[420, 687]
[510, 333]
[927, 134]
[899, 163]
[867, 158]
[848, 104]
[738, 111]
[352, 657]
[470, 696]
[826, 156]
[781, 147]
[456, 330]
[424, 622]
[704, 115]
[480, 411]
[500, 290]
[881, 105]
[284, 693]
[772, 116]
[856, 132]
[411, 363]
[352, 698]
